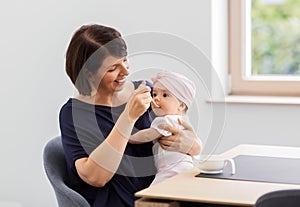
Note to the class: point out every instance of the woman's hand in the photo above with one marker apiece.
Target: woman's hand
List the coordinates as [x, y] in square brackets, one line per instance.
[185, 141]
[139, 102]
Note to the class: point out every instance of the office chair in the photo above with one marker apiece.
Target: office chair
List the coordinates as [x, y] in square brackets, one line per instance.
[55, 168]
[281, 198]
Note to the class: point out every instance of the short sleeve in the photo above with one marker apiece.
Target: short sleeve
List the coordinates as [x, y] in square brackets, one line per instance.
[72, 146]
[160, 120]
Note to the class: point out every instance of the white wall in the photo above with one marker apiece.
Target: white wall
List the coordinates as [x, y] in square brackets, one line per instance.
[261, 124]
[34, 36]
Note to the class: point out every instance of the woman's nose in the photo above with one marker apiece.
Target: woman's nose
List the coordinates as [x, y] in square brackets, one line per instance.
[125, 68]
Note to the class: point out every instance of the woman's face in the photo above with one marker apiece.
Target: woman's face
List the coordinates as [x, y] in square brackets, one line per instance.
[165, 102]
[111, 76]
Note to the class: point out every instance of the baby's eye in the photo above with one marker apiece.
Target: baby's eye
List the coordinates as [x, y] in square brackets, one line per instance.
[154, 94]
[165, 95]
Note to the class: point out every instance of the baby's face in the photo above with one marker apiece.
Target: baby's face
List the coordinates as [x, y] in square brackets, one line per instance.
[165, 103]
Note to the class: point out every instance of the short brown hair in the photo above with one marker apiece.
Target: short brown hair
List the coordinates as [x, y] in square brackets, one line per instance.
[89, 46]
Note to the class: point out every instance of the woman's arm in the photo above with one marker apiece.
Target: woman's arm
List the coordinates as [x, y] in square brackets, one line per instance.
[101, 165]
[185, 141]
[145, 135]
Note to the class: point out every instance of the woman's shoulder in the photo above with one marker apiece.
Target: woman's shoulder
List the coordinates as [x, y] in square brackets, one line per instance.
[71, 102]
[73, 105]
[66, 106]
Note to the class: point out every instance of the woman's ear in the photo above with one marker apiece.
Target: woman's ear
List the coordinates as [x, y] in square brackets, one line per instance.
[90, 76]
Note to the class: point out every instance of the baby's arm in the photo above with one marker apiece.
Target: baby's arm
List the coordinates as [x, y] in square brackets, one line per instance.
[145, 135]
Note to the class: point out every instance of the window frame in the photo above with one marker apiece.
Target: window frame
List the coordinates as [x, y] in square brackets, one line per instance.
[239, 84]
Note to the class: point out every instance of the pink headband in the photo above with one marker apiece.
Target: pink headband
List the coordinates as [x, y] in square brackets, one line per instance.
[179, 85]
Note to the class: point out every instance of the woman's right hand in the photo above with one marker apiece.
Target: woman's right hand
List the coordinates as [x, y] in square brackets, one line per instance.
[139, 102]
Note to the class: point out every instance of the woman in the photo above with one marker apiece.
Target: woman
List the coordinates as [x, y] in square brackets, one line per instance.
[97, 123]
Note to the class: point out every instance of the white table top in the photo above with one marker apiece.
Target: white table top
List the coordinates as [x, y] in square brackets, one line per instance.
[187, 187]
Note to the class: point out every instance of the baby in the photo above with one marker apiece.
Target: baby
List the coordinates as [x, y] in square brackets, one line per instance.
[173, 94]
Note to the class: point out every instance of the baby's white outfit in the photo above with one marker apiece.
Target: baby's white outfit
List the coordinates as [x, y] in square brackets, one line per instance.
[168, 163]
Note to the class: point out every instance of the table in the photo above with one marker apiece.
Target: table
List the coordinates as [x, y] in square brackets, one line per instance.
[187, 187]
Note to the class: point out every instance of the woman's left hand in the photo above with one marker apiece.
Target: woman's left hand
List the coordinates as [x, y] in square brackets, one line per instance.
[185, 141]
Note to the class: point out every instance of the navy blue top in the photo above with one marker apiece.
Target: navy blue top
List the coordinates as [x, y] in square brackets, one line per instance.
[83, 127]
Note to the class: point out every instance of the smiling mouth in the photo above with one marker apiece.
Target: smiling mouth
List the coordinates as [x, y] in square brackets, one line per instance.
[120, 81]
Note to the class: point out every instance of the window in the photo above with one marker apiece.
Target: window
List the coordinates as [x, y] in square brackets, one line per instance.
[264, 47]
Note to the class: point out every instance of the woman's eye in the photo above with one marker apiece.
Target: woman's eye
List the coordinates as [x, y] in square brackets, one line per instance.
[113, 68]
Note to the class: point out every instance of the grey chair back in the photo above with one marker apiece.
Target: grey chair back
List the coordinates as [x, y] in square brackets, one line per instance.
[281, 198]
[56, 171]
